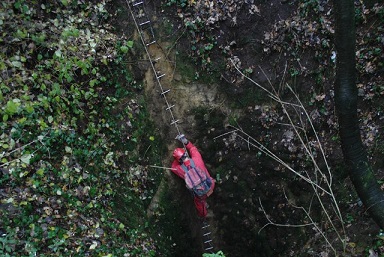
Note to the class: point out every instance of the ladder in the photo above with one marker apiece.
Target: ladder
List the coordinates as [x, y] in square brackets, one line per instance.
[207, 240]
[144, 27]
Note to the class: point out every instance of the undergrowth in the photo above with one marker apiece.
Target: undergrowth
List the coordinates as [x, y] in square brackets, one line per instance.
[74, 180]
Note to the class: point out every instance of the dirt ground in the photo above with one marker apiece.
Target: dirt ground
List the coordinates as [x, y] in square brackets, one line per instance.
[247, 181]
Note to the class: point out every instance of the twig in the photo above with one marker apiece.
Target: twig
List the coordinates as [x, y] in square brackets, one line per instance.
[270, 222]
[316, 181]
[146, 150]
[160, 167]
[173, 45]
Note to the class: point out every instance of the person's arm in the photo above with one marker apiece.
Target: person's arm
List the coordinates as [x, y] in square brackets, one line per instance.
[193, 152]
[177, 169]
[196, 156]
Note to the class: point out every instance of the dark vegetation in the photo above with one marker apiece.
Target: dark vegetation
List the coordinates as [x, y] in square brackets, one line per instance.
[294, 44]
[76, 136]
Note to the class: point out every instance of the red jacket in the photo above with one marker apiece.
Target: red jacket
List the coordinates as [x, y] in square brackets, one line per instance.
[195, 155]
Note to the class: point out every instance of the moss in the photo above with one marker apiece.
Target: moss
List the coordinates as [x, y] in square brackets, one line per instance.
[185, 67]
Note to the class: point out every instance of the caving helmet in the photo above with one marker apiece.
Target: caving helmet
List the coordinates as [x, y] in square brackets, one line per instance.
[178, 153]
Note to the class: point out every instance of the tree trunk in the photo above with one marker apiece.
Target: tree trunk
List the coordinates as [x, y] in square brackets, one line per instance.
[355, 156]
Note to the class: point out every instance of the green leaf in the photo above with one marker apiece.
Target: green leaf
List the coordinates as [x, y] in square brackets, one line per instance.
[17, 64]
[68, 149]
[21, 34]
[17, 5]
[130, 44]
[124, 49]
[58, 53]
[26, 158]
[38, 39]
[93, 82]
[12, 106]
[93, 246]
[40, 172]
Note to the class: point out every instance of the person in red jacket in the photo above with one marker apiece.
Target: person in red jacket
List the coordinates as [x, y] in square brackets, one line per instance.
[193, 157]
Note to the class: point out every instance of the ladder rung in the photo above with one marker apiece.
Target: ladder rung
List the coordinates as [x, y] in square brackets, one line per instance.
[162, 75]
[154, 41]
[206, 234]
[137, 3]
[174, 121]
[208, 241]
[145, 22]
[166, 91]
[170, 107]
[209, 248]
[205, 227]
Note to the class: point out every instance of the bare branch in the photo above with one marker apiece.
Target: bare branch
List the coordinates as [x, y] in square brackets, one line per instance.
[320, 182]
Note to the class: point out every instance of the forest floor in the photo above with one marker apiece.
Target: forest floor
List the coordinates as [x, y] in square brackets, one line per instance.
[273, 42]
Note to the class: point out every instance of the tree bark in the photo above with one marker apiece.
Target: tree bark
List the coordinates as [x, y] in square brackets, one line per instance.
[355, 155]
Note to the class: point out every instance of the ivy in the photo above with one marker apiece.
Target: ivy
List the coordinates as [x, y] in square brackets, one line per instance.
[65, 133]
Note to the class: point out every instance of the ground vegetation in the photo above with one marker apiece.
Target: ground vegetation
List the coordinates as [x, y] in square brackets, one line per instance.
[80, 128]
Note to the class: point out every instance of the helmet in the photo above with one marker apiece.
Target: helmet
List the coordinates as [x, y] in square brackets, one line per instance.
[178, 153]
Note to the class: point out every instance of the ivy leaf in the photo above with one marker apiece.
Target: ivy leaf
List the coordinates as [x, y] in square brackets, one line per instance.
[93, 246]
[12, 106]
[17, 64]
[68, 149]
[124, 49]
[58, 53]
[26, 158]
[64, 2]
[40, 172]
[130, 44]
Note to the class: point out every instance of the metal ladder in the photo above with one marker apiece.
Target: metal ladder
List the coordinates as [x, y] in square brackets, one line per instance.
[144, 27]
[207, 240]
[147, 36]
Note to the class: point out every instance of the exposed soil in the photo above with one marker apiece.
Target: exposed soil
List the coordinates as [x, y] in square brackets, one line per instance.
[247, 180]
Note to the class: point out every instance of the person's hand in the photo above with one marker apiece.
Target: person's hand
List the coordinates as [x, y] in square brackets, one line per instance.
[182, 139]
